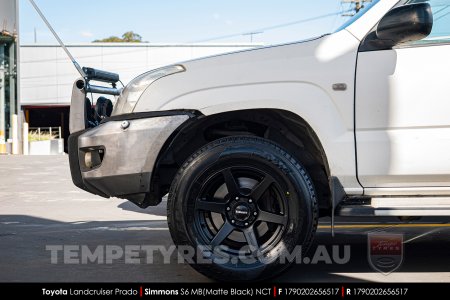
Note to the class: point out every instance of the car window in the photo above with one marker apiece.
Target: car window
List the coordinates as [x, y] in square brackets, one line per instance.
[441, 22]
[365, 8]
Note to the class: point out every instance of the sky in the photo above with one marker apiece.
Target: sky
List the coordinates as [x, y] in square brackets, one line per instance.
[180, 21]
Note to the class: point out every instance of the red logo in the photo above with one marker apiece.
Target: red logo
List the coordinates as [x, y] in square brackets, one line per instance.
[385, 252]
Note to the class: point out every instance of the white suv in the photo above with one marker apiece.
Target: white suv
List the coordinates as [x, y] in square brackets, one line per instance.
[253, 147]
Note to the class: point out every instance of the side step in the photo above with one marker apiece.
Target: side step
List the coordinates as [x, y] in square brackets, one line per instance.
[394, 206]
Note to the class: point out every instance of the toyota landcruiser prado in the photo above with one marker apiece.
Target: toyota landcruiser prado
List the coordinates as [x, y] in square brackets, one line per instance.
[253, 147]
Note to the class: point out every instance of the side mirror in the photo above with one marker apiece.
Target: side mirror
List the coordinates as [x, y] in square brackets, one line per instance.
[103, 109]
[406, 23]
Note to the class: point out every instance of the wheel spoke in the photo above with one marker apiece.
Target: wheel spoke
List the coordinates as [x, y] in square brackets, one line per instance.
[268, 217]
[223, 233]
[259, 189]
[250, 237]
[230, 182]
[216, 207]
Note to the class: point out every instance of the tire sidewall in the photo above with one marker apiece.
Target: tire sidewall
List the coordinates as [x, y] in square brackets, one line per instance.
[255, 152]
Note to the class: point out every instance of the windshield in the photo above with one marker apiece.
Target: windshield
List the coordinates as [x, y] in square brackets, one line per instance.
[365, 7]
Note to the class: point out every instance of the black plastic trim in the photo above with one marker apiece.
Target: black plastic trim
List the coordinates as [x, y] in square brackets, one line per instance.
[152, 114]
[75, 169]
[122, 185]
[73, 159]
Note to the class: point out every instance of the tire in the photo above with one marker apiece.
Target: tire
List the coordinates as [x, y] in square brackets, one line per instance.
[242, 203]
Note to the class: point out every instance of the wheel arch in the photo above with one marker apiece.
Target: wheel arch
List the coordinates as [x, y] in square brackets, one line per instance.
[280, 126]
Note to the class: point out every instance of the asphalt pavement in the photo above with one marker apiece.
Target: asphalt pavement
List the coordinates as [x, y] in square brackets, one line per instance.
[41, 208]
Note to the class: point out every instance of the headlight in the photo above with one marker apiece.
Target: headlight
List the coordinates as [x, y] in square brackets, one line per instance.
[134, 90]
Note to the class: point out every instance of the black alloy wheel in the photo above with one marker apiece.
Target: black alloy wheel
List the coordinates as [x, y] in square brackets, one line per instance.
[238, 207]
[243, 202]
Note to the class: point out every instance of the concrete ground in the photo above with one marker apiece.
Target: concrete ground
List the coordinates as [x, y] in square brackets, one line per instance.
[39, 206]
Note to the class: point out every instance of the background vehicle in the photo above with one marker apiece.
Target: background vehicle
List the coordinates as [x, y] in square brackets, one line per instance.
[253, 147]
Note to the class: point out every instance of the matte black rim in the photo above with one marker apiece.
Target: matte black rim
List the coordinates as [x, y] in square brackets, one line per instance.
[243, 210]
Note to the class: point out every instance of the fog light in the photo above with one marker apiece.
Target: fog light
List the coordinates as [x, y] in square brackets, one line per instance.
[93, 158]
[88, 160]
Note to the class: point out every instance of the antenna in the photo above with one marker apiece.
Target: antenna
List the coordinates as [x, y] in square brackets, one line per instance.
[77, 66]
[88, 74]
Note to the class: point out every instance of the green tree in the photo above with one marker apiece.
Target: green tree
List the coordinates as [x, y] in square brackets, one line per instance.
[127, 37]
[131, 37]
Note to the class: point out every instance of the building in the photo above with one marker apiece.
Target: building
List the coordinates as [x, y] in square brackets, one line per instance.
[8, 68]
[47, 75]
[36, 80]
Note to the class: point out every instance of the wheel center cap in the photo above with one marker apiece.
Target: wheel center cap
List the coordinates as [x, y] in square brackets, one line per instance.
[242, 212]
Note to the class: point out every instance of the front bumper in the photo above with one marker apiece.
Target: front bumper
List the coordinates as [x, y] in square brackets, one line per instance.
[112, 160]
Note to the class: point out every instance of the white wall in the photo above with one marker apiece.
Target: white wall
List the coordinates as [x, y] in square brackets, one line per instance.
[47, 74]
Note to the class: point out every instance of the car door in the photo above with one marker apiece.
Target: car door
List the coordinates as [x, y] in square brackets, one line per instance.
[402, 113]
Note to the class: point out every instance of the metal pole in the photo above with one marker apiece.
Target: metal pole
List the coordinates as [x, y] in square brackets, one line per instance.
[39, 133]
[2, 106]
[12, 82]
[15, 134]
[359, 4]
[26, 150]
[17, 55]
[77, 66]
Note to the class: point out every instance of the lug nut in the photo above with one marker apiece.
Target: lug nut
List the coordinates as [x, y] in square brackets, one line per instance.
[246, 224]
[255, 213]
[228, 208]
[233, 221]
[237, 198]
[250, 201]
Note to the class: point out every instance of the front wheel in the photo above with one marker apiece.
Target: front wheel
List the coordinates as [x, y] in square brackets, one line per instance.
[239, 207]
